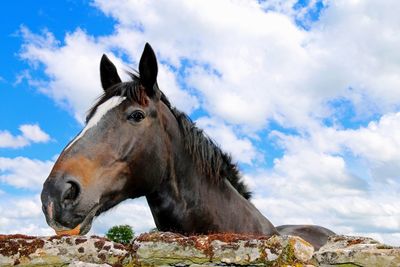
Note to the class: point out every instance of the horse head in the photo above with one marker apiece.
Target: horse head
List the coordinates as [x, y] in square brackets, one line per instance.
[114, 157]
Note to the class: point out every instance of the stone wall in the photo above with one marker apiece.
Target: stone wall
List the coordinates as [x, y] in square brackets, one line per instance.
[168, 249]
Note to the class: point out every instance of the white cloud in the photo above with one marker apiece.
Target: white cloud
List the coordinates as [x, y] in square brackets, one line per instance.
[250, 65]
[375, 146]
[365, 214]
[241, 149]
[270, 67]
[378, 142]
[31, 133]
[34, 133]
[135, 213]
[22, 172]
[312, 183]
[357, 42]
[183, 99]
[73, 69]
[8, 140]
[319, 190]
[23, 215]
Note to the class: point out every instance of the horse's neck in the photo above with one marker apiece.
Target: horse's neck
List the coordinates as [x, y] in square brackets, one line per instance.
[189, 202]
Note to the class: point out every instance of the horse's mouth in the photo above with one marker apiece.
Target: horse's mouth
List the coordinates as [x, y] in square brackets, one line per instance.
[81, 229]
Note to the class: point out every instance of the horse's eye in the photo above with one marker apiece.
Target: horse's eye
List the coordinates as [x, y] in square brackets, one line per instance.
[136, 116]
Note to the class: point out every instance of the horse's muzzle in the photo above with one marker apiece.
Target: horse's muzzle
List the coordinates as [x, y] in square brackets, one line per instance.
[60, 197]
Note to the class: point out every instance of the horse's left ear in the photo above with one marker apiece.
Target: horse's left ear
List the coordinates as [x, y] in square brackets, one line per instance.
[148, 70]
[108, 73]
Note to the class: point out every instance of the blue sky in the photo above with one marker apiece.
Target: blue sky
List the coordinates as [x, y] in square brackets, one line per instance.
[30, 106]
[303, 94]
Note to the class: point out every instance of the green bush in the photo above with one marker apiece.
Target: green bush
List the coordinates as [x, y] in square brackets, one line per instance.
[120, 233]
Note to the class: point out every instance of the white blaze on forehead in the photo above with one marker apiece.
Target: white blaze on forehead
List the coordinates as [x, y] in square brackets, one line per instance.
[98, 115]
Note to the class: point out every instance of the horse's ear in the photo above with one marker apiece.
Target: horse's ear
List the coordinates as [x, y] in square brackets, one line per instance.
[108, 73]
[148, 70]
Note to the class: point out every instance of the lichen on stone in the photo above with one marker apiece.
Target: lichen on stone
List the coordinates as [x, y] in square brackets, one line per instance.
[169, 249]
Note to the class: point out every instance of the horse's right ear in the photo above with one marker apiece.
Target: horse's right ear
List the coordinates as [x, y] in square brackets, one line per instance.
[148, 70]
[108, 73]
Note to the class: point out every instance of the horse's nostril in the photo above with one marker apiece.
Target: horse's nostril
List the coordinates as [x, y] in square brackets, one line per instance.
[71, 192]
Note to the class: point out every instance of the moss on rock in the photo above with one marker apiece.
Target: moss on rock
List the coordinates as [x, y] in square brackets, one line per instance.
[169, 249]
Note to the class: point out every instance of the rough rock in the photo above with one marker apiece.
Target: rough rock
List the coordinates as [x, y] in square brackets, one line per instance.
[356, 251]
[226, 249]
[168, 249]
[86, 264]
[24, 250]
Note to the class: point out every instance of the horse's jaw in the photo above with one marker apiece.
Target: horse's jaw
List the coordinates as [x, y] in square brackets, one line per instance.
[80, 229]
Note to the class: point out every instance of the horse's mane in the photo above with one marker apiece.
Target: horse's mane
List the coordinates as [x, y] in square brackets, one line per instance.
[208, 156]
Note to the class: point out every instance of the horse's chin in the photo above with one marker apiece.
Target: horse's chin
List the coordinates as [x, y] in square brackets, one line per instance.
[81, 229]
[84, 227]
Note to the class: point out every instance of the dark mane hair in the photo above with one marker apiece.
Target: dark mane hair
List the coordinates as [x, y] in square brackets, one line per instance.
[208, 156]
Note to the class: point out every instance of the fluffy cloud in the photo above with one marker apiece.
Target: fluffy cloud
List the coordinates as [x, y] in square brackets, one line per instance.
[263, 63]
[241, 149]
[313, 183]
[23, 215]
[246, 73]
[8, 140]
[375, 146]
[73, 69]
[31, 133]
[357, 42]
[34, 133]
[236, 66]
[132, 212]
[22, 172]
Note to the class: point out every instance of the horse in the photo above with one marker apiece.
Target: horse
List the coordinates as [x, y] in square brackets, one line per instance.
[135, 143]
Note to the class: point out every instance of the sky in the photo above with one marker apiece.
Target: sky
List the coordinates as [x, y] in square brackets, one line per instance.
[305, 96]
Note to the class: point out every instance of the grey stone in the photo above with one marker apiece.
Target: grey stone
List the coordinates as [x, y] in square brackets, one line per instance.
[86, 264]
[59, 251]
[219, 249]
[169, 249]
[357, 251]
